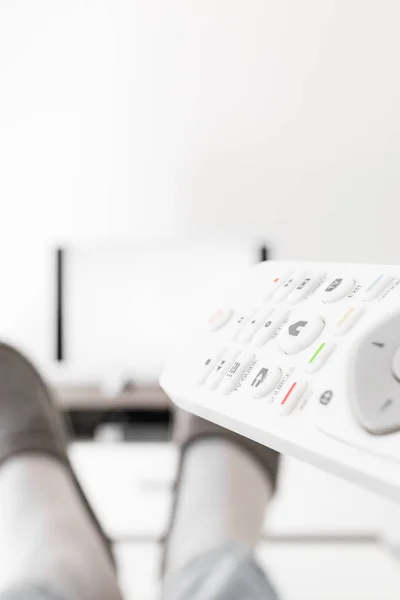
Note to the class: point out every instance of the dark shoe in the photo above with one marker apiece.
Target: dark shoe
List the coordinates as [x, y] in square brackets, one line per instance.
[30, 421]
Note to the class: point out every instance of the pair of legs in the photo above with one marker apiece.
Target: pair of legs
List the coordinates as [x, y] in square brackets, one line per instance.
[53, 548]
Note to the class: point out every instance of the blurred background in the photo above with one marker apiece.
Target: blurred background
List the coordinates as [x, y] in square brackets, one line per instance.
[150, 152]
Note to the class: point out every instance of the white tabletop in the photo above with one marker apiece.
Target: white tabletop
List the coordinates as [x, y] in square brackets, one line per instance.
[130, 487]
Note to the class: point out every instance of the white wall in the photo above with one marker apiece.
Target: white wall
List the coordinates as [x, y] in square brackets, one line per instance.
[112, 112]
[141, 119]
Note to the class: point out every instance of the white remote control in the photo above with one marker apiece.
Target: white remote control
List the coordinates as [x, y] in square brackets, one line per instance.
[304, 358]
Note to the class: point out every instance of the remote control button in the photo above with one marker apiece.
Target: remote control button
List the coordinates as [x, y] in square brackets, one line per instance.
[348, 319]
[219, 319]
[337, 289]
[287, 287]
[300, 334]
[265, 380]
[254, 324]
[274, 286]
[305, 287]
[243, 317]
[209, 363]
[396, 365]
[236, 372]
[374, 388]
[271, 326]
[221, 368]
[376, 287]
[320, 356]
[291, 395]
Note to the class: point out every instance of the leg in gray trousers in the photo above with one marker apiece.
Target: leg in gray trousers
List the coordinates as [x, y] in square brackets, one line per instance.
[229, 572]
[51, 544]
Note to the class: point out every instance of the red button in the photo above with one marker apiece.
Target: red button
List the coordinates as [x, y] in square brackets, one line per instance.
[292, 397]
[288, 393]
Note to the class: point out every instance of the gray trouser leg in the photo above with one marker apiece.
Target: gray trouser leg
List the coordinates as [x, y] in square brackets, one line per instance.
[230, 573]
[189, 428]
[249, 581]
[30, 592]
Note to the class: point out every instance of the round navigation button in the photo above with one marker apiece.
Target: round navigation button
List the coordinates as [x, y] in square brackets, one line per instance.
[396, 364]
[374, 392]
